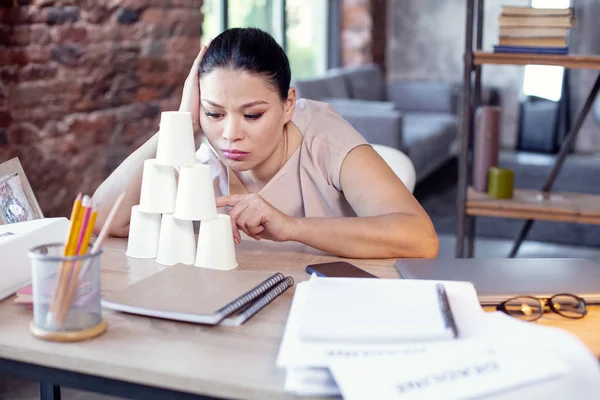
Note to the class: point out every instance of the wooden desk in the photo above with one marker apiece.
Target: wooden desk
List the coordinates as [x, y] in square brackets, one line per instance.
[139, 353]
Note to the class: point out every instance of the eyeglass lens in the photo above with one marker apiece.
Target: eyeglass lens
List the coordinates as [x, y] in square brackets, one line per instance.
[525, 308]
[568, 306]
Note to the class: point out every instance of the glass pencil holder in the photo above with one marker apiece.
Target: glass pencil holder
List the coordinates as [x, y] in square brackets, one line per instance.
[66, 294]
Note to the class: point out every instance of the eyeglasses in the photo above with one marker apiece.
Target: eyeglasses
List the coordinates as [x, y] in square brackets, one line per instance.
[531, 308]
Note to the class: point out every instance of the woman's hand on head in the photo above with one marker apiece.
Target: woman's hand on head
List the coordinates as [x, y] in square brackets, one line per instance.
[190, 99]
[257, 218]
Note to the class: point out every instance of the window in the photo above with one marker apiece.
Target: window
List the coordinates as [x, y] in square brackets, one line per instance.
[300, 27]
[544, 80]
[306, 37]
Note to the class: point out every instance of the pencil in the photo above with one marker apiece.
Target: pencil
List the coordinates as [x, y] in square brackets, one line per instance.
[72, 232]
[73, 282]
[70, 244]
[80, 272]
[87, 205]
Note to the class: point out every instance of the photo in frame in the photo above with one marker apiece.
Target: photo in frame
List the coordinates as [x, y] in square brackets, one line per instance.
[17, 200]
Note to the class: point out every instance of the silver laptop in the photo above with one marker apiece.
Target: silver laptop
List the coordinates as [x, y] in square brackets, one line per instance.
[499, 279]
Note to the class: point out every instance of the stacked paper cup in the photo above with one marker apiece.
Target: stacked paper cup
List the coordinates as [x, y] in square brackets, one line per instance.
[161, 226]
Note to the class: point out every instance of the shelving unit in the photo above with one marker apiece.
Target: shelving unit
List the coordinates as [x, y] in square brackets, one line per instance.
[529, 205]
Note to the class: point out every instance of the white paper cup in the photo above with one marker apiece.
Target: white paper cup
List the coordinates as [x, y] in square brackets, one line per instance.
[195, 194]
[177, 241]
[216, 249]
[159, 188]
[144, 231]
[176, 145]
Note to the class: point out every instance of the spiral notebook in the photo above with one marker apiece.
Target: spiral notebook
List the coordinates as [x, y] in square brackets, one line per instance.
[199, 295]
[356, 310]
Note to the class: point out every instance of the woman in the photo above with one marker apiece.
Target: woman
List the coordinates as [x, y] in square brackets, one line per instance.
[286, 170]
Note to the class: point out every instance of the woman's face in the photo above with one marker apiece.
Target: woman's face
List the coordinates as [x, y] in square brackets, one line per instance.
[242, 116]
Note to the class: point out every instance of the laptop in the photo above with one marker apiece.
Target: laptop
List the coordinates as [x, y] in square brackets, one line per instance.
[497, 280]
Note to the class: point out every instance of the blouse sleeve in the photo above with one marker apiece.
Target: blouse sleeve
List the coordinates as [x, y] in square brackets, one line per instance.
[332, 139]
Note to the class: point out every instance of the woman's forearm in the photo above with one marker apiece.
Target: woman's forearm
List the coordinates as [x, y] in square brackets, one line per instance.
[387, 236]
[126, 178]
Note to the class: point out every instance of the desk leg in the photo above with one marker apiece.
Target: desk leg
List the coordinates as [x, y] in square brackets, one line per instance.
[49, 391]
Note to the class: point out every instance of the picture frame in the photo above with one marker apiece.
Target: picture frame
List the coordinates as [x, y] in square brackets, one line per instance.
[17, 200]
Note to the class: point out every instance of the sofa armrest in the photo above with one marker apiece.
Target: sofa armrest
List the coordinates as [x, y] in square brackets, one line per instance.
[376, 126]
[424, 96]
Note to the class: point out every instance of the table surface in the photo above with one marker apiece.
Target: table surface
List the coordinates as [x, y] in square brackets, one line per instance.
[220, 361]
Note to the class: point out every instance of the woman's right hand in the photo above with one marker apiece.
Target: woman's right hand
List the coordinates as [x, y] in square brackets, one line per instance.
[190, 99]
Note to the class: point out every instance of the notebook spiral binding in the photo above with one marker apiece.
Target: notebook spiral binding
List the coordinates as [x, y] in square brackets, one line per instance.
[445, 307]
[251, 295]
[267, 298]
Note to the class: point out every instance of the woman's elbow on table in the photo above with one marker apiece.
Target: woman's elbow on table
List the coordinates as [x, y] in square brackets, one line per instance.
[421, 241]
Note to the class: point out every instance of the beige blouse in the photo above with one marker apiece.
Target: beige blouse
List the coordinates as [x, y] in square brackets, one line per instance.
[308, 185]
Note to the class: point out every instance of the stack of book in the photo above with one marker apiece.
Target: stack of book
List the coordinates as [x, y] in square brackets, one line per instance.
[534, 30]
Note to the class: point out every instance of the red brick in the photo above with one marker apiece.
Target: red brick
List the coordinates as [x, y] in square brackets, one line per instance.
[71, 33]
[5, 34]
[22, 133]
[96, 123]
[161, 78]
[146, 94]
[14, 55]
[160, 3]
[36, 53]
[155, 16]
[98, 12]
[134, 32]
[193, 4]
[31, 93]
[40, 34]
[34, 72]
[3, 100]
[44, 3]
[106, 32]
[152, 65]
[5, 118]
[9, 74]
[20, 35]
[49, 130]
[22, 15]
[137, 5]
[185, 23]
[183, 45]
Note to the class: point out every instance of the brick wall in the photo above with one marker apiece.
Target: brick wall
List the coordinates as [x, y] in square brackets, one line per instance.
[356, 32]
[82, 85]
[364, 32]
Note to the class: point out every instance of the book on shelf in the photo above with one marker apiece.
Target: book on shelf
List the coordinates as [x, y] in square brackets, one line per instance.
[531, 50]
[535, 21]
[531, 11]
[533, 32]
[532, 42]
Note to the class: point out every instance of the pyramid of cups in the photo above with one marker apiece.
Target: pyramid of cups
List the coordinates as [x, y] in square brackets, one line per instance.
[176, 191]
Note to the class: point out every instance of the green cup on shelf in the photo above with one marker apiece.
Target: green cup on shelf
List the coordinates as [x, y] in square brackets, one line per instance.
[501, 183]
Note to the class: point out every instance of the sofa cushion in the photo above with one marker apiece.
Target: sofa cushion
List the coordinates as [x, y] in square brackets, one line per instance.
[428, 138]
[339, 103]
[322, 87]
[364, 82]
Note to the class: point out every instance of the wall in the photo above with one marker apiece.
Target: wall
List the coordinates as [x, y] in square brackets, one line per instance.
[426, 41]
[82, 84]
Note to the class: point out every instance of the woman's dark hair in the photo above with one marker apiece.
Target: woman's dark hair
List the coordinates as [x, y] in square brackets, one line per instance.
[250, 50]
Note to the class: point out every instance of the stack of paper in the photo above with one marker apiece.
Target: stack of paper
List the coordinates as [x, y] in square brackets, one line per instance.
[493, 356]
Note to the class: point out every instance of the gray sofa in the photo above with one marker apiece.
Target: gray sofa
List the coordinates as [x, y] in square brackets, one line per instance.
[418, 117]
